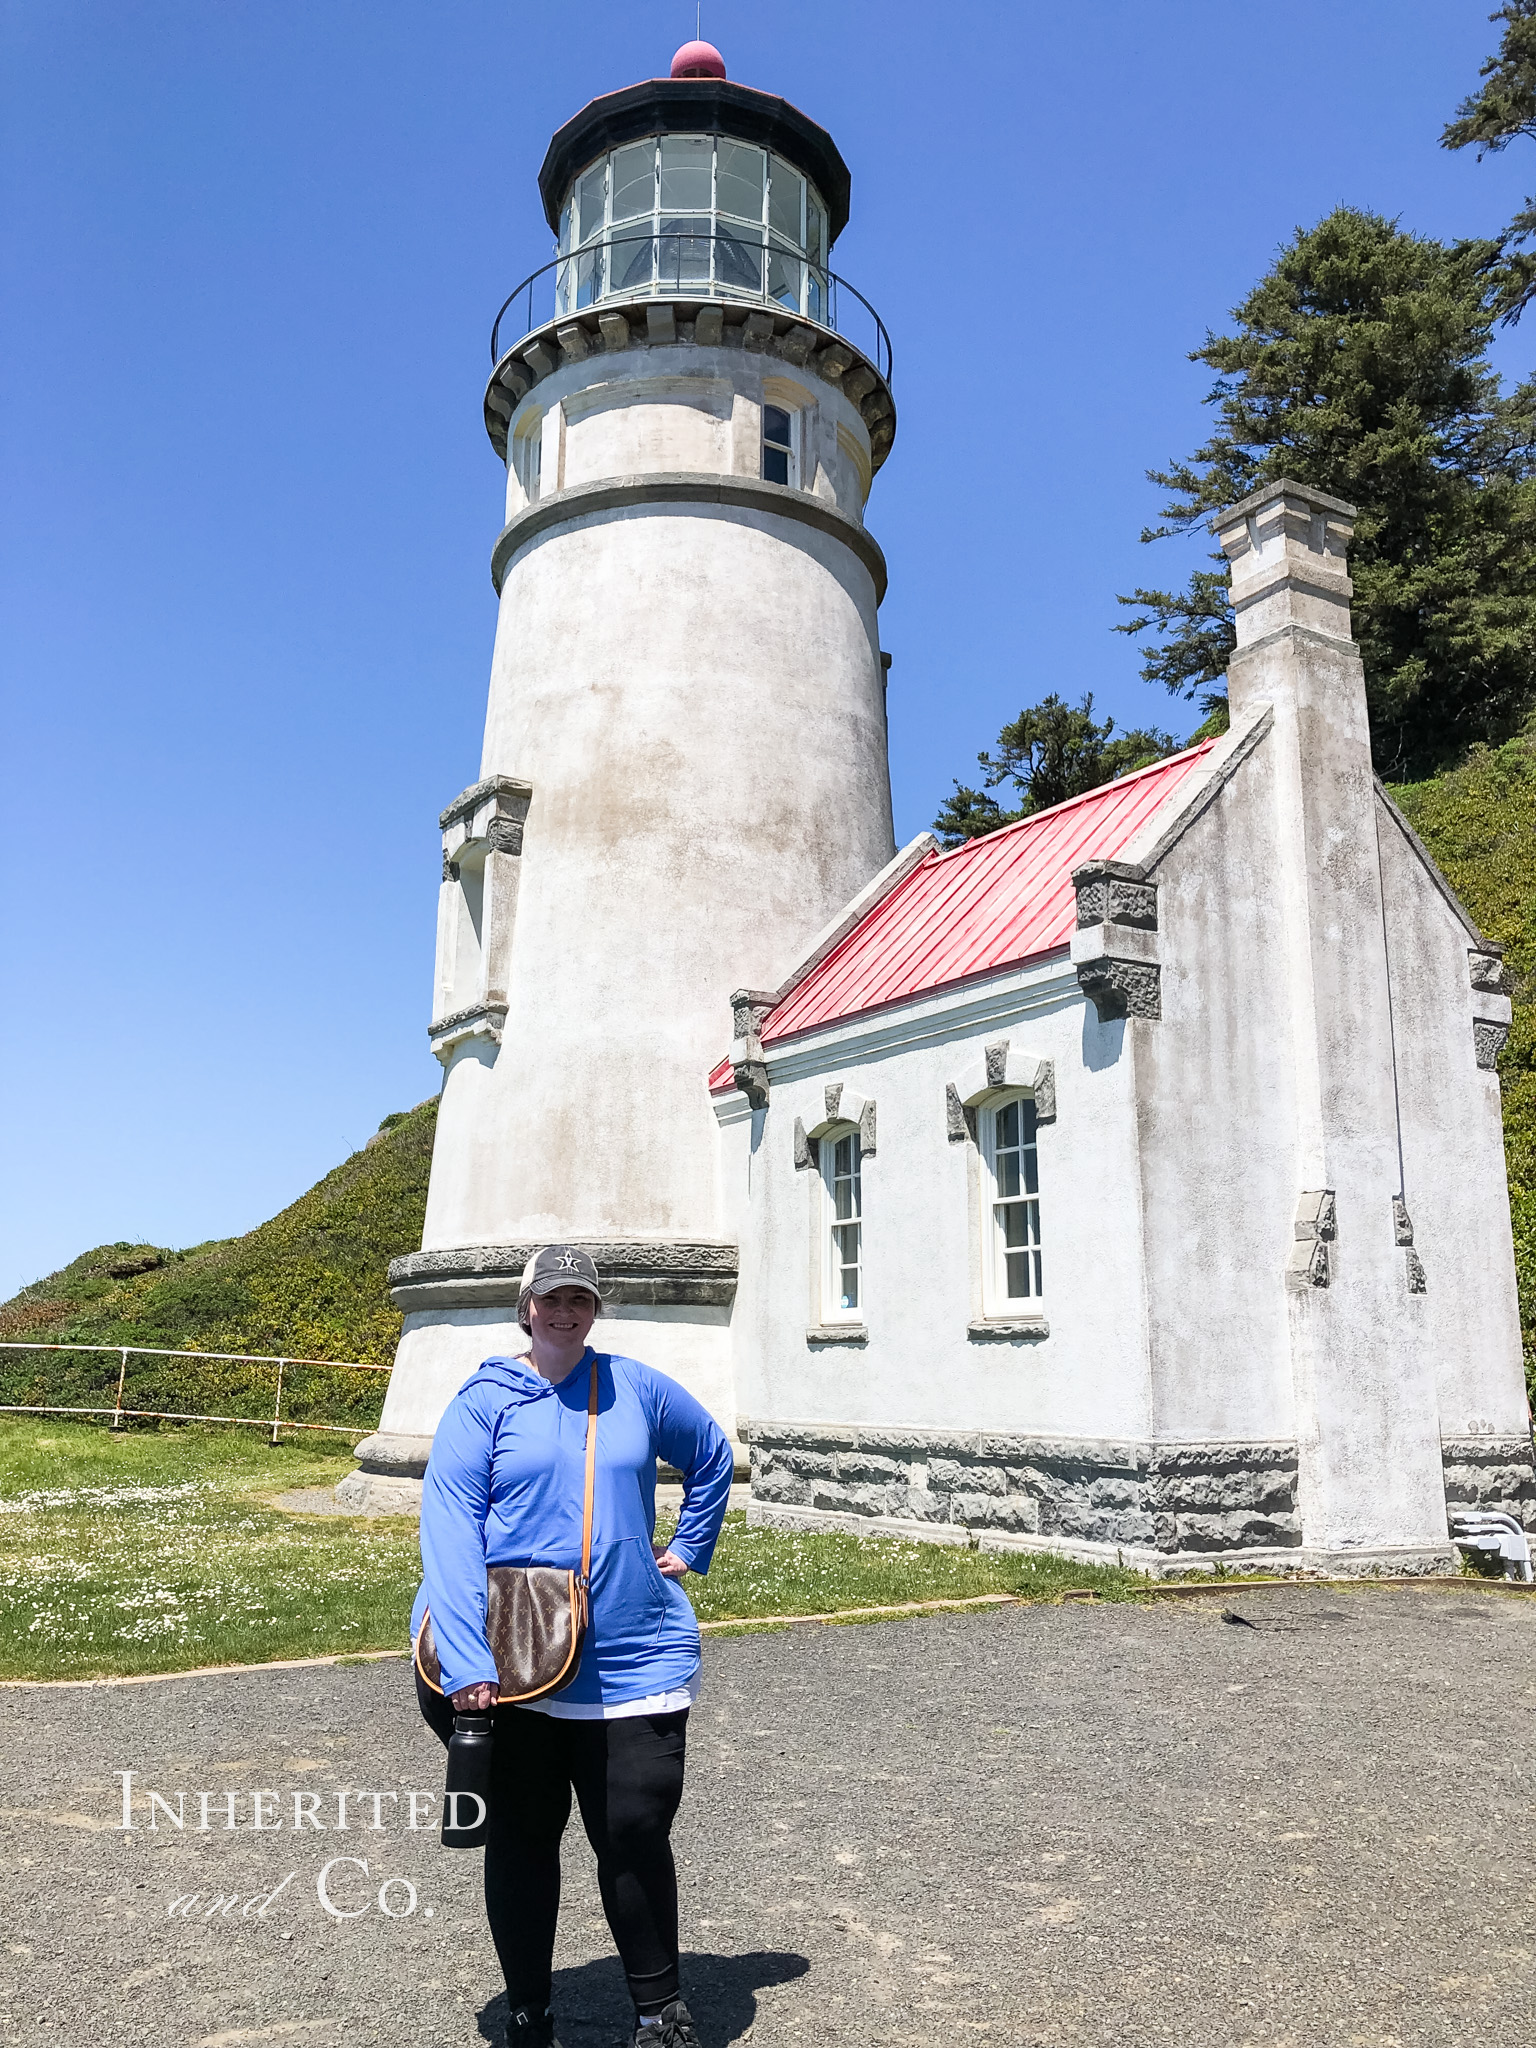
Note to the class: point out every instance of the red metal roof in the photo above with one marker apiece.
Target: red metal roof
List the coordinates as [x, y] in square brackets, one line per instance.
[992, 903]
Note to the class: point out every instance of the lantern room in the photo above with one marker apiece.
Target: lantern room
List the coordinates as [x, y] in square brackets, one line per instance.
[693, 186]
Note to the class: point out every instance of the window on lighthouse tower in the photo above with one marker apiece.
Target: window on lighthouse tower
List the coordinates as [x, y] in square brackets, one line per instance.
[778, 445]
[528, 454]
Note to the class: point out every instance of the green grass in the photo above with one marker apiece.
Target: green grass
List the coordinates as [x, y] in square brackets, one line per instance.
[1479, 822]
[159, 1550]
[762, 1572]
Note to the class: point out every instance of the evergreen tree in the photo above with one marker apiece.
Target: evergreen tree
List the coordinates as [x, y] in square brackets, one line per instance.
[1359, 365]
[1488, 121]
[1049, 752]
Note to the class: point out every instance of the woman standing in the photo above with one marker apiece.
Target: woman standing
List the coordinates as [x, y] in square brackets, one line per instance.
[504, 1485]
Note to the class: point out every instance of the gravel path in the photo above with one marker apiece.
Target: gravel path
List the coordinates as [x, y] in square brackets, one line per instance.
[1116, 1827]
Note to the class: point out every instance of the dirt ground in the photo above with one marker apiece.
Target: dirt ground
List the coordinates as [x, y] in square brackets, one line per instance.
[1106, 1826]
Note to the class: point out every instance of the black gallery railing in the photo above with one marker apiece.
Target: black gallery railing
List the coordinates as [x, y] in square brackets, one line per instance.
[680, 262]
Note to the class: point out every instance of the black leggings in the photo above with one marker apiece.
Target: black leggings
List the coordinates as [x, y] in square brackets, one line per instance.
[628, 1780]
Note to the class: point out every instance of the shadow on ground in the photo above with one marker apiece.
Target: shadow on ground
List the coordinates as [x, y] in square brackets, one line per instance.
[592, 2008]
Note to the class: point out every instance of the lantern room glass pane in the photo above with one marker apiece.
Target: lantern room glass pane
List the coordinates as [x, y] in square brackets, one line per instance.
[634, 181]
[739, 179]
[786, 278]
[683, 252]
[816, 233]
[739, 258]
[588, 265]
[590, 195]
[631, 259]
[685, 173]
[786, 200]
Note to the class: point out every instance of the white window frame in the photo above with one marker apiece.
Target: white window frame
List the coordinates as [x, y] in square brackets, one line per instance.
[996, 1300]
[832, 1260]
[791, 446]
[528, 458]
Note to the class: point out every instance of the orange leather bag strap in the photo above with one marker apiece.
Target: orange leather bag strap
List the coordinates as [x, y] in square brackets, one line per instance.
[586, 1502]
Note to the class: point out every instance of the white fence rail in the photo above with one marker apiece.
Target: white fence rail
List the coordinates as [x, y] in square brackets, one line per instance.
[120, 1414]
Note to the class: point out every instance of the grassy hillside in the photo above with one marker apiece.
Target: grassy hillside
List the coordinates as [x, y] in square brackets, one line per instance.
[311, 1283]
[1479, 821]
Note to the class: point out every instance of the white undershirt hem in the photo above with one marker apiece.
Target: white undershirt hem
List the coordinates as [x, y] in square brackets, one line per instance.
[676, 1701]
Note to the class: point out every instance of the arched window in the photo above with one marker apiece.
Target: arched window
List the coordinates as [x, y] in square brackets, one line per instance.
[1012, 1263]
[842, 1262]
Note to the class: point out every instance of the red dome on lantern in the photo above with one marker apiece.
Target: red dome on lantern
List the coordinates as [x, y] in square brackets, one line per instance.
[698, 60]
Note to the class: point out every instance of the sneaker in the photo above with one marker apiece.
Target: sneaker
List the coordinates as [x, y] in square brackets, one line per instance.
[672, 2028]
[529, 2029]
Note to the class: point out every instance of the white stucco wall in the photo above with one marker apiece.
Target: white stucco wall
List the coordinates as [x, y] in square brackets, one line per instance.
[1371, 1481]
[920, 1366]
[1455, 1185]
[1216, 1114]
[696, 697]
[650, 409]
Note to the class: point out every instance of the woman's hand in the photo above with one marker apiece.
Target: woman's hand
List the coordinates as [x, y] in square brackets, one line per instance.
[669, 1566]
[474, 1699]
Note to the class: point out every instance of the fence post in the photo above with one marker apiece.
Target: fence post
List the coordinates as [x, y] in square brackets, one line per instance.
[117, 1412]
[278, 1405]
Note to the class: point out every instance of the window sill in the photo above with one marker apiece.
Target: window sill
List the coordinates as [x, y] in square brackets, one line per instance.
[1003, 1327]
[837, 1333]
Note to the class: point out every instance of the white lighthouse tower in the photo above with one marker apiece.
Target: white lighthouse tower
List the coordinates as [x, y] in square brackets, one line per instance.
[685, 764]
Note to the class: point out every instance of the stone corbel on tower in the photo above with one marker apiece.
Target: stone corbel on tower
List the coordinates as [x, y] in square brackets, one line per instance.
[749, 1069]
[1308, 1263]
[1114, 948]
[1492, 1011]
[482, 851]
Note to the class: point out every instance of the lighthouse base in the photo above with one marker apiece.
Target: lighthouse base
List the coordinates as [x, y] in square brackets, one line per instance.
[388, 1478]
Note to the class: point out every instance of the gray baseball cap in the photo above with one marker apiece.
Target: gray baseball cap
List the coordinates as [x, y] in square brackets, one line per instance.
[560, 1265]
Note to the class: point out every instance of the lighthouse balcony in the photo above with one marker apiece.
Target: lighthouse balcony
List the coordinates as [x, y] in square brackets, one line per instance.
[715, 291]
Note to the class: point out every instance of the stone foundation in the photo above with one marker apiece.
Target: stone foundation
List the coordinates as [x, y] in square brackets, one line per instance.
[1491, 1472]
[1160, 1500]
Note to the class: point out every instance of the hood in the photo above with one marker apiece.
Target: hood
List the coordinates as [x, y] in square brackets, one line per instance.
[512, 1378]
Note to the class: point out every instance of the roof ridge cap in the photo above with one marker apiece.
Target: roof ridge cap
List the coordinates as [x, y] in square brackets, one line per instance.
[1083, 797]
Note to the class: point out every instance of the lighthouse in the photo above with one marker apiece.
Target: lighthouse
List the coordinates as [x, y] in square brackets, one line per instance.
[685, 768]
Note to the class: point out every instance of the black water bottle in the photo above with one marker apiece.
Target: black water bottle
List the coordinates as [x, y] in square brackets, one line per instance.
[467, 1793]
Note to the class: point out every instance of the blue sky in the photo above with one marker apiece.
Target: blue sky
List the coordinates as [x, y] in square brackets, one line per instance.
[251, 255]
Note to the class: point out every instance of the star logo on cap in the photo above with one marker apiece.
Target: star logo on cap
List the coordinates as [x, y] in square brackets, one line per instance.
[566, 1263]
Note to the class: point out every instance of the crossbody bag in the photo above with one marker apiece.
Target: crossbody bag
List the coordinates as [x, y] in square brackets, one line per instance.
[536, 1615]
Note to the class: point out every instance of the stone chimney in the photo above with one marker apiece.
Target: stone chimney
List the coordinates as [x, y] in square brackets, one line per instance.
[1366, 1407]
[1287, 546]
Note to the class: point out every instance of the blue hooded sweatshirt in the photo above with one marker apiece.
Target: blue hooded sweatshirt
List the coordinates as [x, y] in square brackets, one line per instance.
[504, 1486]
